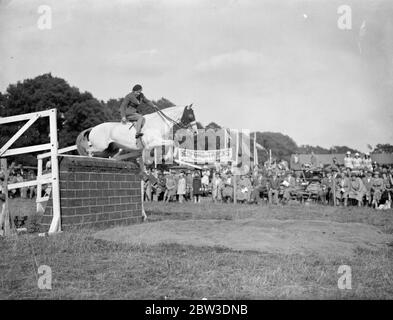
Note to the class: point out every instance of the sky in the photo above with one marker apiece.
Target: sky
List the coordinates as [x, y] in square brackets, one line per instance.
[277, 65]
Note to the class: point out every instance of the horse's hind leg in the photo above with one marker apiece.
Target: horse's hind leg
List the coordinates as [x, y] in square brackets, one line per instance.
[144, 216]
[142, 169]
[110, 151]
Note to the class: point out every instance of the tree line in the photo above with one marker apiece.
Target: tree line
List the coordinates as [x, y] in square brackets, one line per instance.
[81, 110]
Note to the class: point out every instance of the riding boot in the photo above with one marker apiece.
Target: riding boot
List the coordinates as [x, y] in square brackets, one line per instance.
[138, 127]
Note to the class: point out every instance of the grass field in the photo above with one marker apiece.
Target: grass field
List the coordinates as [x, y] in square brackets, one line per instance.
[84, 266]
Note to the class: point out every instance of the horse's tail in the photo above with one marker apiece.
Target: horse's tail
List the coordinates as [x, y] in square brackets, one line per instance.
[82, 142]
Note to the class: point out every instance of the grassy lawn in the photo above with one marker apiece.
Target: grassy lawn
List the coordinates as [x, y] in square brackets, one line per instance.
[22, 207]
[84, 267]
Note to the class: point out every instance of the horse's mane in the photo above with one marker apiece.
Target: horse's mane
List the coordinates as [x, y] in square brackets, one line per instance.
[174, 113]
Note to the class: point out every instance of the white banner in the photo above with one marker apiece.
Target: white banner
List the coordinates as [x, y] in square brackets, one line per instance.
[205, 156]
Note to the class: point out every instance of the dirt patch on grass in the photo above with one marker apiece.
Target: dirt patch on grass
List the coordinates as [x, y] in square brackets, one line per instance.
[326, 238]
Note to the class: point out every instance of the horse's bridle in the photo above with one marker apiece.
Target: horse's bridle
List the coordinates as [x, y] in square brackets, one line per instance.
[174, 122]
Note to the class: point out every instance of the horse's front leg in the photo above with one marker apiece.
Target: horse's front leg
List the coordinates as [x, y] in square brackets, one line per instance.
[142, 170]
[144, 215]
[171, 150]
[116, 156]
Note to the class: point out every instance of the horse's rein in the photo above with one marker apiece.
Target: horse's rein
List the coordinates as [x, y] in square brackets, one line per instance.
[180, 124]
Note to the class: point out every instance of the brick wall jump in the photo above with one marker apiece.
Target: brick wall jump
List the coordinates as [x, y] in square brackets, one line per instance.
[96, 193]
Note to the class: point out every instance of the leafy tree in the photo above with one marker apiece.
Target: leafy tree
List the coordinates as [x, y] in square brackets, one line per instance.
[199, 125]
[383, 148]
[80, 110]
[282, 146]
[81, 116]
[41, 93]
[163, 103]
[2, 101]
[342, 149]
[305, 148]
[213, 125]
[113, 106]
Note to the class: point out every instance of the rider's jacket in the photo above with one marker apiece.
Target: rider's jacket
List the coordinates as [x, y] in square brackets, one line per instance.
[131, 103]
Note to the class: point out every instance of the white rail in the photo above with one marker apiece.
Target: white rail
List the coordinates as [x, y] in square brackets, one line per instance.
[49, 178]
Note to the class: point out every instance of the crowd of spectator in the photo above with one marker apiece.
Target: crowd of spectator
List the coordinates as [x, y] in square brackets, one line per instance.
[19, 174]
[358, 182]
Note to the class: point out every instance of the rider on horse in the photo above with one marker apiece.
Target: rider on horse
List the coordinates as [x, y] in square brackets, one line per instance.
[129, 108]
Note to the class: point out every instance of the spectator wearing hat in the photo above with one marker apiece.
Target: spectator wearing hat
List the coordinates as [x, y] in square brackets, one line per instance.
[260, 186]
[152, 184]
[338, 190]
[357, 190]
[243, 189]
[32, 189]
[227, 191]
[368, 182]
[367, 162]
[23, 190]
[348, 160]
[217, 185]
[160, 186]
[13, 179]
[181, 187]
[348, 172]
[189, 179]
[205, 181]
[342, 188]
[274, 189]
[289, 184]
[387, 194]
[334, 165]
[197, 186]
[327, 186]
[377, 189]
[357, 162]
[171, 187]
[148, 188]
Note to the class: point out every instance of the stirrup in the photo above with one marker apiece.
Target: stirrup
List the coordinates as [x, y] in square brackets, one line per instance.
[138, 135]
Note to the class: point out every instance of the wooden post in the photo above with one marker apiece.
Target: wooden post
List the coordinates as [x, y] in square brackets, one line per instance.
[235, 171]
[270, 157]
[6, 220]
[334, 189]
[56, 222]
[237, 146]
[155, 158]
[255, 149]
[234, 175]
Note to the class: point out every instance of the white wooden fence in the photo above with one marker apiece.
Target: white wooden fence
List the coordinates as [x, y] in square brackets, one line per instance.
[48, 178]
